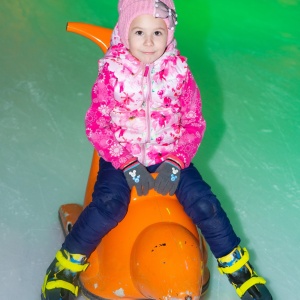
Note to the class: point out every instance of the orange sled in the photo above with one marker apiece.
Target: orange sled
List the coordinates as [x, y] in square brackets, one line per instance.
[156, 251]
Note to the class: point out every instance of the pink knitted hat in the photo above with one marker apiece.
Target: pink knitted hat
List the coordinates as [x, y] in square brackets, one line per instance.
[130, 9]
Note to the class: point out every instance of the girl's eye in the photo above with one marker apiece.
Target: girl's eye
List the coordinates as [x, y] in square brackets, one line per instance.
[157, 33]
[139, 32]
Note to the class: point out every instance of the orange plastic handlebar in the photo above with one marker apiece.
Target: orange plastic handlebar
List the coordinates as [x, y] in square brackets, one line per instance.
[99, 35]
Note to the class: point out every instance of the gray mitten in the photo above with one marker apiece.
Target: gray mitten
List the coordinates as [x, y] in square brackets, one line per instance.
[168, 177]
[137, 175]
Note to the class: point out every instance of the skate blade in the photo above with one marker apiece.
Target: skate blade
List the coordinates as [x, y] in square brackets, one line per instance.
[264, 293]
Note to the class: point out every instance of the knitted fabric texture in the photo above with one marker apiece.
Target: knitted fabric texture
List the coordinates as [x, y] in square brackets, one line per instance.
[130, 9]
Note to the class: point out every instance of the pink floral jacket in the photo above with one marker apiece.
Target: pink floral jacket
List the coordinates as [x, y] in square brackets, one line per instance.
[145, 111]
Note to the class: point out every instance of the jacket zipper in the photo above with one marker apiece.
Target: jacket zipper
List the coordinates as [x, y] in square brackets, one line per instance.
[147, 100]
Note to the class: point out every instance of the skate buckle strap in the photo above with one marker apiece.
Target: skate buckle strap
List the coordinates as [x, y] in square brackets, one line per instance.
[73, 267]
[61, 284]
[51, 285]
[239, 264]
[248, 284]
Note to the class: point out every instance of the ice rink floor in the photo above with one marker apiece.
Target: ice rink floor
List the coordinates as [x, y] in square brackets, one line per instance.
[245, 57]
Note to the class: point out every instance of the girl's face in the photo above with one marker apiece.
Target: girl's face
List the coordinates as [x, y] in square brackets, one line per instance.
[147, 38]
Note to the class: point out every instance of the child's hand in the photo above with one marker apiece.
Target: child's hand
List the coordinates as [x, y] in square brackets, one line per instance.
[137, 175]
[168, 178]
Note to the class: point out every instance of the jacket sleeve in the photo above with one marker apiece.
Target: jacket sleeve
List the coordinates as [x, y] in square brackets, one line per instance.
[99, 128]
[192, 122]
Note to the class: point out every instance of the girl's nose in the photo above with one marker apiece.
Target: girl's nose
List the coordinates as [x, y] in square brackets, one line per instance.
[148, 41]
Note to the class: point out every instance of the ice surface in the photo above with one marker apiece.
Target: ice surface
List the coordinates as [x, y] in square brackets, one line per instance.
[246, 59]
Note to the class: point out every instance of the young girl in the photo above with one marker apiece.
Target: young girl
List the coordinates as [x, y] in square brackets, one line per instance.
[146, 117]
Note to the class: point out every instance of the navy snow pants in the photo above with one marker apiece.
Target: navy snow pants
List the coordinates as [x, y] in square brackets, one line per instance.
[110, 202]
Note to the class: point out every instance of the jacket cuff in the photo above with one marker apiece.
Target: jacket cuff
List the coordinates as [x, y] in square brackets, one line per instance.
[174, 159]
[129, 163]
